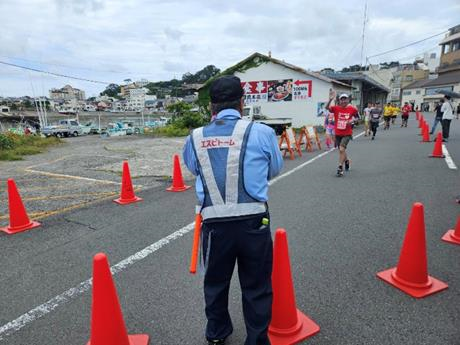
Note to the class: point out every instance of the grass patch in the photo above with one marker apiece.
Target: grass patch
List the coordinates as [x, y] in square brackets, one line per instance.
[13, 147]
[169, 131]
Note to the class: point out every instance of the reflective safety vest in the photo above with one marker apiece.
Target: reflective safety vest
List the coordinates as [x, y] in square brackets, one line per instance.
[220, 161]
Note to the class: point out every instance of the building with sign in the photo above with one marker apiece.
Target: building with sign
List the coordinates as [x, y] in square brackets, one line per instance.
[426, 93]
[282, 89]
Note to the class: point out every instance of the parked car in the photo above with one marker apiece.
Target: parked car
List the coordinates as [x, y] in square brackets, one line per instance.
[65, 128]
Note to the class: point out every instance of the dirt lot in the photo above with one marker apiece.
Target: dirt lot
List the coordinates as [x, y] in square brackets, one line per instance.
[87, 169]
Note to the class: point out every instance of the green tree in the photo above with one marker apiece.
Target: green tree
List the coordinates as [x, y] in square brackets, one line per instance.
[183, 117]
[112, 90]
[201, 76]
[27, 104]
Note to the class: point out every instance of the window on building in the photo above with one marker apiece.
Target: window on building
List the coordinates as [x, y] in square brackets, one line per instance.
[456, 46]
[435, 90]
[407, 93]
[409, 77]
[446, 48]
[418, 92]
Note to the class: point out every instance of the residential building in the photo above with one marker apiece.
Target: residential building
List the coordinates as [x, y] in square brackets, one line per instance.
[450, 51]
[448, 79]
[124, 89]
[281, 89]
[67, 93]
[414, 94]
[136, 98]
[431, 60]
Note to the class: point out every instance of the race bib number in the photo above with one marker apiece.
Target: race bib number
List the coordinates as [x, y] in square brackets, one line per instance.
[342, 124]
[375, 116]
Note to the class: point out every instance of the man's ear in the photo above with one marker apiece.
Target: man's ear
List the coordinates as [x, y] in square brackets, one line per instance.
[241, 105]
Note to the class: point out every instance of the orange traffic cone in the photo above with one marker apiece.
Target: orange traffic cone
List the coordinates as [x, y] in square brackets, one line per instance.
[453, 236]
[425, 134]
[422, 127]
[127, 192]
[437, 150]
[411, 274]
[19, 220]
[288, 325]
[107, 324]
[178, 182]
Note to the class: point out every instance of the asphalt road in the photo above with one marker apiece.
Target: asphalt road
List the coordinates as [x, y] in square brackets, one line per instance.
[341, 232]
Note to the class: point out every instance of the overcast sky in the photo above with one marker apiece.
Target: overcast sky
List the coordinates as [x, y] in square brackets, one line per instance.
[112, 40]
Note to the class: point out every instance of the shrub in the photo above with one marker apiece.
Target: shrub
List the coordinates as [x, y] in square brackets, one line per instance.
[13, 146]
[6, 142]
[171, 131]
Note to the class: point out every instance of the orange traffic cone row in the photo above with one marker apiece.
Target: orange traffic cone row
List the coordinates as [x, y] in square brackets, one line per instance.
[453, 236]
[127, 195]
[425, 134]
[422, 127]
[437, 150]
[19, 220]
[178, 182]
[288, 325]
[107, 324]
[411, 274]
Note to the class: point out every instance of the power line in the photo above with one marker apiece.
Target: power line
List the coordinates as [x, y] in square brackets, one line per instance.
[78, 68]
[53, 73]
[407, 45]
[65, 66]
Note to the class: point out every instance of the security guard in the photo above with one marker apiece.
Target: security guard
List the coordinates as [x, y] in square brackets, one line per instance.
[233, 160]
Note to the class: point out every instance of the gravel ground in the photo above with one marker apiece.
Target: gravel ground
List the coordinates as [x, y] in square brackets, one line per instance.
[87, 169]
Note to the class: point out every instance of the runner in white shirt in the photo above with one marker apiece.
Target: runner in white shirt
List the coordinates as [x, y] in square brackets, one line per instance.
[367, 112]
[447, 110]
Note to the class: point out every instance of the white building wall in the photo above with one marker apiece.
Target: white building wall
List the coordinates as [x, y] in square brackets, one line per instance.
[303, 112]
[415, 96]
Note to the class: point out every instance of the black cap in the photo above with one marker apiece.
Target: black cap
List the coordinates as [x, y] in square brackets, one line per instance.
[226, 89]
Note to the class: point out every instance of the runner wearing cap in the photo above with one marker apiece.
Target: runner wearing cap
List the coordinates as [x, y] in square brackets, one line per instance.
[344, 114]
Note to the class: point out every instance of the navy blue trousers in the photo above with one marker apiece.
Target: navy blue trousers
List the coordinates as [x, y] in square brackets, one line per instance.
[248, 243]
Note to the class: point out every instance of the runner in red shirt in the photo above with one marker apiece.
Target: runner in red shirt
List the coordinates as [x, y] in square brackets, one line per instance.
[344, 114]
[406, 109]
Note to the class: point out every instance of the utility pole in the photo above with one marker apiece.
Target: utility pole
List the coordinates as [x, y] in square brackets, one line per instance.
[363, 34]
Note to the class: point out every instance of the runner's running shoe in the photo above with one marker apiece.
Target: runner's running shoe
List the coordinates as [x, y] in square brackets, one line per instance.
[347, 165]
[340, 171]
[216, 342]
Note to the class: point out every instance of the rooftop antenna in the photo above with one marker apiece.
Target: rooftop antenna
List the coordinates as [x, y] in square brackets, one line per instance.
[363, 34]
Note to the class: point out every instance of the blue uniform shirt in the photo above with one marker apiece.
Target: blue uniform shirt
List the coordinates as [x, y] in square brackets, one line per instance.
[262, 160]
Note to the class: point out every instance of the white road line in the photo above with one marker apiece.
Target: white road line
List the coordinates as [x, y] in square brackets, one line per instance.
[65, 297]
[448, 158]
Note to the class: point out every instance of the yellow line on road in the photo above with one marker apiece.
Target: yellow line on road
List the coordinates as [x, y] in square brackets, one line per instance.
[44, 214]
[68, 196]
[72, 177]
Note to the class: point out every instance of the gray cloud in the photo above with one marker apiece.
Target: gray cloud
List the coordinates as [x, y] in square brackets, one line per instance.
[80, 6]
[112, 40]
[173, 34]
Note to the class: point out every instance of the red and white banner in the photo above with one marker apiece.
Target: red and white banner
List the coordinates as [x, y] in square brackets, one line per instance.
[276, 90]
[301, 90]
[254, 91]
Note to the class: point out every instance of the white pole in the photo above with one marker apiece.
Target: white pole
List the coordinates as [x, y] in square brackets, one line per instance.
[45, 114]
[38, 114]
